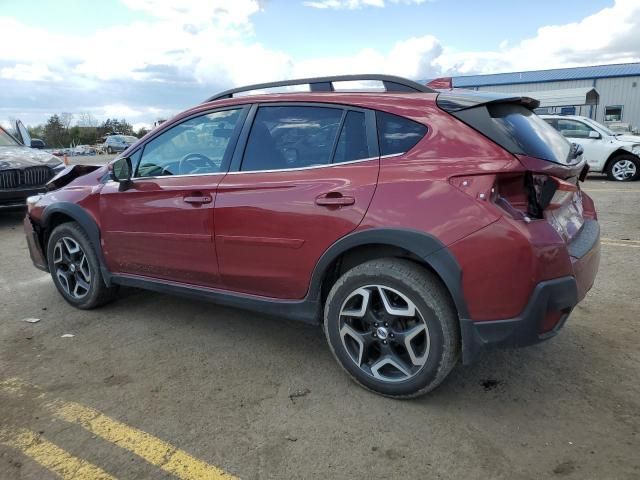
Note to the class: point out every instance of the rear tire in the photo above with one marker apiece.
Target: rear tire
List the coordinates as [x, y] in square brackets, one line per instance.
[623, 168]
[75, 268]
[391, 325]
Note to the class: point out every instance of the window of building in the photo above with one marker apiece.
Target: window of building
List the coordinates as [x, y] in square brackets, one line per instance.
[613, 113]
[397, 134]
[291, 137]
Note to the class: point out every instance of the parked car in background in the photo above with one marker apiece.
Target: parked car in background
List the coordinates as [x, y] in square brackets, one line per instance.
[23, 170]
[416, 227]
[118, 143]
[614, 153]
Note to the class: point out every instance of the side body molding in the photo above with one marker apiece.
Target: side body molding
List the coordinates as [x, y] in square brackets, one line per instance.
[87, 223]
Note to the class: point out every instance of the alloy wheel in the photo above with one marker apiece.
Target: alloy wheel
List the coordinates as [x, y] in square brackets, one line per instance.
[384, 333]
[72, 267]
[623, 169]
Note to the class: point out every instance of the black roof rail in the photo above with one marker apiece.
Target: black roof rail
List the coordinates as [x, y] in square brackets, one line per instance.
[325, 84]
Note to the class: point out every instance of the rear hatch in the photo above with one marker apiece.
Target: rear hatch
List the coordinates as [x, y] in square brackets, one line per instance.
[547, 186]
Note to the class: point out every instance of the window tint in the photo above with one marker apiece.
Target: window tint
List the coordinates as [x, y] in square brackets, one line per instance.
[573, 128]
[528, 133]
[195, 146]
[397, 134]
[291, 137]
[352, 144]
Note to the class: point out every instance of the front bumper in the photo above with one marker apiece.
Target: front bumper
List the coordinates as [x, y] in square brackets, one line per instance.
[17, 197]
[35, 250]
[548, 307]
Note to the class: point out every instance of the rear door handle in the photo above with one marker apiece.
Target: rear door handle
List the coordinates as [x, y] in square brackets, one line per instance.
[197, 199]
[334, 199]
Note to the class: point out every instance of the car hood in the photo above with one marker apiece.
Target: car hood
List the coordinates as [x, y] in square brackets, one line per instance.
[22, 157]
[628, 138]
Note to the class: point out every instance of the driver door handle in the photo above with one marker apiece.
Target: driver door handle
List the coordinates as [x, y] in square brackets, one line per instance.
[197, 199]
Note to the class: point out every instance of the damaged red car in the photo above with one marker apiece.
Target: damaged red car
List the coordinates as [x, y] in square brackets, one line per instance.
[417, 227]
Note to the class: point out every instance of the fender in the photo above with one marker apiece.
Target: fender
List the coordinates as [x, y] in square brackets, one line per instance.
[87, 223]
[426, 247]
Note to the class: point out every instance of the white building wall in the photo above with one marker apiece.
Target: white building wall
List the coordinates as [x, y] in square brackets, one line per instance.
[623, 91]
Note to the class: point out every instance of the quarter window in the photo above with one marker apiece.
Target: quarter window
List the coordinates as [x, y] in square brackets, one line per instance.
[397, 134]
[195, 146]
[291, 137]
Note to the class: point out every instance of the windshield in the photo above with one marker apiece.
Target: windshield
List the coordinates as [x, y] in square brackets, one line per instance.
[601, 127]
[7, 140]
[130, 139]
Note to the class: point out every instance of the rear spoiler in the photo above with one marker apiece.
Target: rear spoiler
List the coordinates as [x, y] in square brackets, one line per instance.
[456, 100]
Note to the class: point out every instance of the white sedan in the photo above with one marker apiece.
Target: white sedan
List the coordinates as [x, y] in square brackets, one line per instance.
[616, 154]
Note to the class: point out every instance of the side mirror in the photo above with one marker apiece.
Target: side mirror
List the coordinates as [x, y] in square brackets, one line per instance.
[121, 172]
[594, 134]
[37, 143]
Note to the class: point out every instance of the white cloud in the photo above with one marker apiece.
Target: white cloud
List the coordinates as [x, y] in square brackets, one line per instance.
[611, 35]
[353, 4]
[187, 51]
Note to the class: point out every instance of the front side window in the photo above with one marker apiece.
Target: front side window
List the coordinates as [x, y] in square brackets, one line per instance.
[573, 128]
[194, 147]
[397, 134]
[291, 137]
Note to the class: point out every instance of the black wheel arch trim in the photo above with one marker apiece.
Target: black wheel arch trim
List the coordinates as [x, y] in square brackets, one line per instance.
[86, 222]
[424, 246]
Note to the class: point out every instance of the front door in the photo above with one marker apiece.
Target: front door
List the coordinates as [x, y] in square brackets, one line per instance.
[306, 179]
[162, 225]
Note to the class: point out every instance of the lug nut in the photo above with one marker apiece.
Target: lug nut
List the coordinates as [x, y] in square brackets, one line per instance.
[375, 324]
[384, 341]
[391, 335]
[386, 324]
[375, 334]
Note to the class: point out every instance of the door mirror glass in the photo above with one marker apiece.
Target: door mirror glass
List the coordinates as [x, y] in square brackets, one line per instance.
[594, 134]
[23, 134]
[121, 170]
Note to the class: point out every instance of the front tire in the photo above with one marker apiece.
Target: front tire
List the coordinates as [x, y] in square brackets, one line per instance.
[75, 268]
[624, 168]
[391, 325]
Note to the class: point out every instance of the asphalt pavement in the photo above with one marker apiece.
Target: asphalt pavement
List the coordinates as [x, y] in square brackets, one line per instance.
[153, 386]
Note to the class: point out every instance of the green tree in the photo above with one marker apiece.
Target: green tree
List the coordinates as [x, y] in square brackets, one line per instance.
[54, 132]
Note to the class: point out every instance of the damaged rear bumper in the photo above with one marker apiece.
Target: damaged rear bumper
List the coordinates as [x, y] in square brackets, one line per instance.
[548, 307]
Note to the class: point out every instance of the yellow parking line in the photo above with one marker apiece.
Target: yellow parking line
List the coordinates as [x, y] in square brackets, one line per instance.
[51, 456]
[618, 240]
[617, 244]
[152, 449]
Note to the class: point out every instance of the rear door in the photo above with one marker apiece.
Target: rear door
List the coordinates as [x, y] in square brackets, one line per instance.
[304, 179]
[162, 225]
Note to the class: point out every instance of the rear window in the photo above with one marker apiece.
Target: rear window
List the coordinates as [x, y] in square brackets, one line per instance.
[397, 134]
[529, 134]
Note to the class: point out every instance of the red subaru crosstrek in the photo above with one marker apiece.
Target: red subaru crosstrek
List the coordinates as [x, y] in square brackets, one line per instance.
[416, 226]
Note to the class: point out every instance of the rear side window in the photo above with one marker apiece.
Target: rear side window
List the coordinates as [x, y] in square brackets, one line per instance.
[291, 137]
[528, 133]
[397, 134]
[352, 144]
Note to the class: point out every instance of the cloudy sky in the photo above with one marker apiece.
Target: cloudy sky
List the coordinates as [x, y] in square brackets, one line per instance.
[146, 59]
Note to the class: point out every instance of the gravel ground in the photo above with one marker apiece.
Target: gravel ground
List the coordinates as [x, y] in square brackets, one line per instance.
[263, 398]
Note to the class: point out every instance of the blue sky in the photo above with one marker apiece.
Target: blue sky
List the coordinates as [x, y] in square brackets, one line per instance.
[144, 59]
